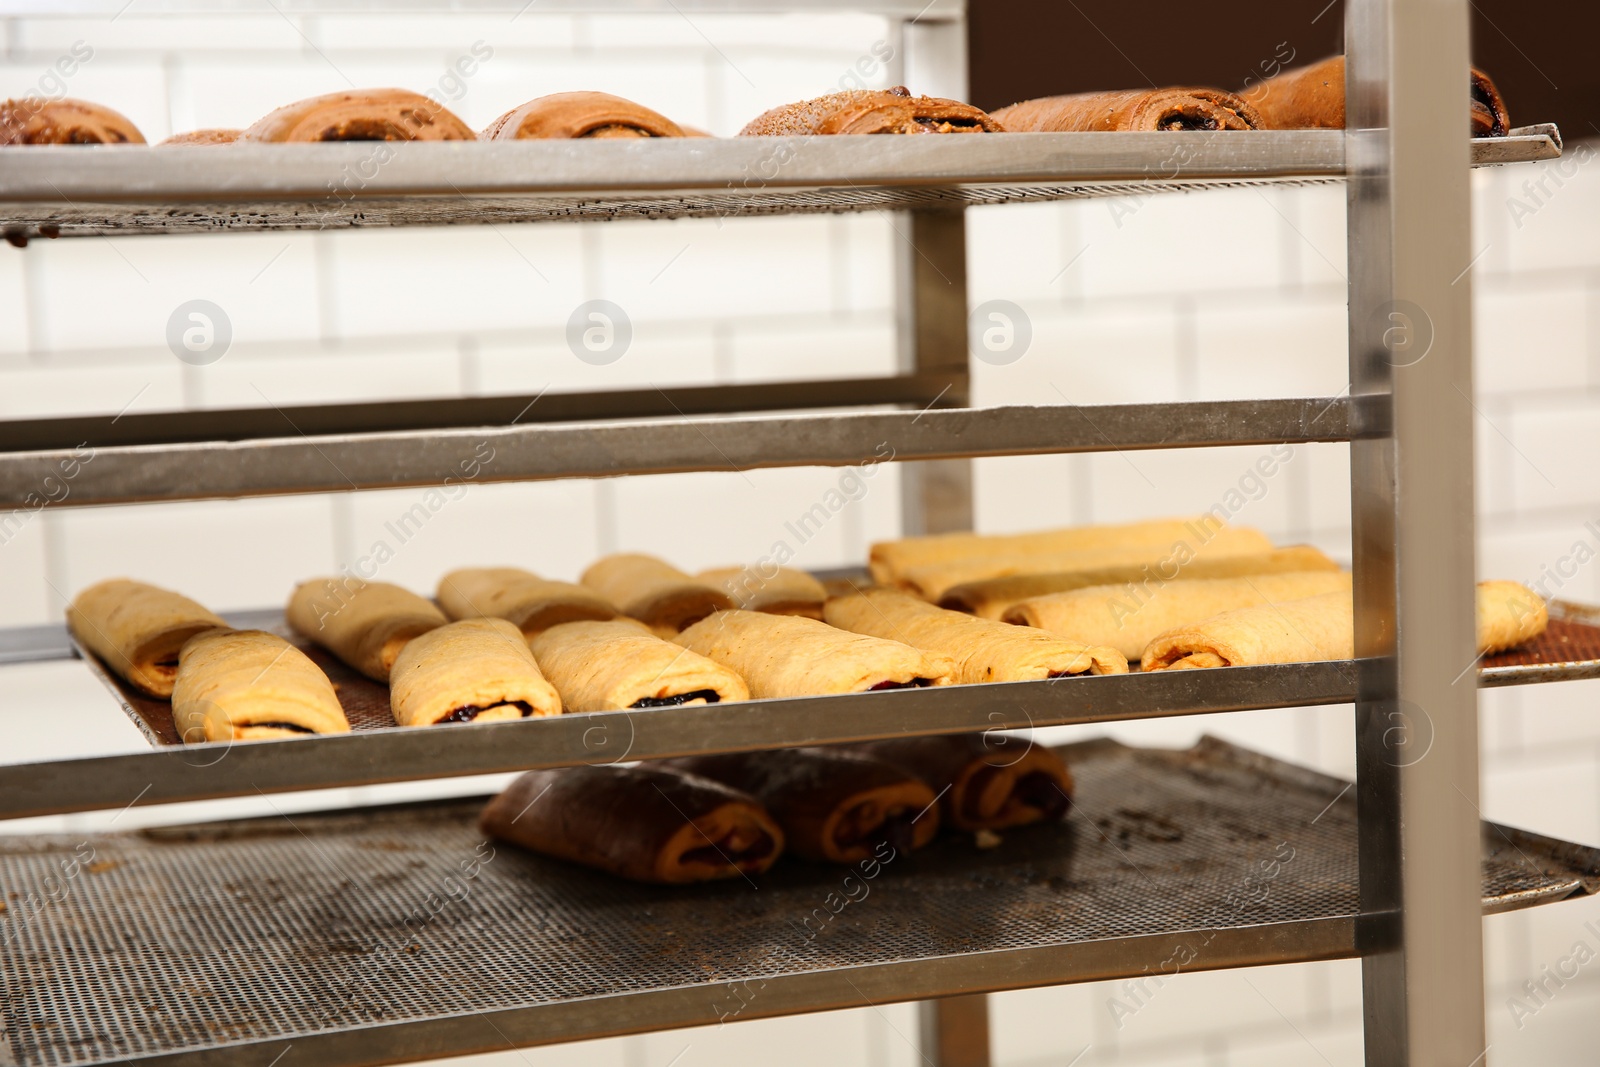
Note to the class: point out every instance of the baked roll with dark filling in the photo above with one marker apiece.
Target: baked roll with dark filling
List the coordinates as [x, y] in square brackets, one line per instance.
[1133, 109]
[608, 666]
[34, 120]
[1313, 97]
[870, 111]
[245, 685]
[361, 115]
[573, 116]
[986, 781]
[138, 630]
[475, 670]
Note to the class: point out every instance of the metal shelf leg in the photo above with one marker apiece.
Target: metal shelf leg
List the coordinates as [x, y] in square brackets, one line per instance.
[954, 1031]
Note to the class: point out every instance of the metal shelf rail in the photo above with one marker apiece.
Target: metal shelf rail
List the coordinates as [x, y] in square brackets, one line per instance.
[1416, 921]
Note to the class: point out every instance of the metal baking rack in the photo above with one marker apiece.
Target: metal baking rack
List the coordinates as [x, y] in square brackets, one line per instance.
[1400, 881]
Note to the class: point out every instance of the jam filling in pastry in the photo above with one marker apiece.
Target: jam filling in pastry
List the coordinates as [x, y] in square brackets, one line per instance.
[571, 116]
[138, 630]
[774, 590]
[361, 115]
[981, 649]
[475, 670]
[869, 111]
[242, 685]
[791, 656]
[645, 822]
[534, 604]
[653, 591]
[608, 666]
[1108, 615]
[1135, 109]
[985, 781]
[34, 120]
[834, 806]
[1312, 97]
[366, 624]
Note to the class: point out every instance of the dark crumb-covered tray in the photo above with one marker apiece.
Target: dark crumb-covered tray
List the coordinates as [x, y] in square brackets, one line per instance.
[399, 933]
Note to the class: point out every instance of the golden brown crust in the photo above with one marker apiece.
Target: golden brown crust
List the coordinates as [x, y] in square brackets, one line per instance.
[1135, 109]
[869, 111]
[237, 685]
[360, 115]
[774, 590]
[475, 670]
[654, 591]
[138, 630]
[607, 666]
[534, 604]
[201, 137]
[33, 120]
[645, 822]
[366, 624]
[579, 115]
[1313, 97]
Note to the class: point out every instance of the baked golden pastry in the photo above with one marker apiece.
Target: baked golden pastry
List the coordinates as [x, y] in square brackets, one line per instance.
[34, 120]
[932, 581]
[870, 111]
[475, 670]
[654, 591]
[645, 822]
[138, 630]
[985, 781]
[607, 666]
[889, 559]
[1509, 614]
[1312, 97]
[201, 137]
[361, 115]
[775, 590]
[792, 656]
[981, 649]
[1134, 109]
[366, 624]
[244, 685]
[535, 604]
[834, 806]
[579, 115]
[990, 598]
[1127, 620]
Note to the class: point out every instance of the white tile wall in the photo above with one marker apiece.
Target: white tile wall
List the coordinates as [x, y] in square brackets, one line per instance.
[1224, 294]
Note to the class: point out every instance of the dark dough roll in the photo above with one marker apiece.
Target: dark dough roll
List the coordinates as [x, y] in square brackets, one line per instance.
[570, 116]
[834, 806]
[994, 782]
[361, 115]
[871, 111]
[1313, 98]
[1134, 109]
[648, 823]
[35, 121]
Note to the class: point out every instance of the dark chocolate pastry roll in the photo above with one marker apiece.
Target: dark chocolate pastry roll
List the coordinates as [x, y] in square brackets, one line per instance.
[871, 111]
[1313, 98]
[833, 805]
[1133, 109]
[985, 781]
[649, 823]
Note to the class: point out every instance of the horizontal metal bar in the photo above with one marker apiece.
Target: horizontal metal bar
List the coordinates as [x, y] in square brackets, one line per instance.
[196, 772]
[248, 424]
[125, 474]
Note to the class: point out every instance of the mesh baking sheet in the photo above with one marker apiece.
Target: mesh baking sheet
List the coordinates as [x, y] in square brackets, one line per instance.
[124, 946]
[1569, 648]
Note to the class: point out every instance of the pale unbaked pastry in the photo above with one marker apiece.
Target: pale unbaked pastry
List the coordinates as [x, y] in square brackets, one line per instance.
[607, 666]
[775, 590]
[981, 649]
[138, 630]
[241, 685]
[533, 603]
[654, 591]
[1128, 619]
[475, 670]
[1316, 628]
[366, 624]
[791, 656]
[1509, 614]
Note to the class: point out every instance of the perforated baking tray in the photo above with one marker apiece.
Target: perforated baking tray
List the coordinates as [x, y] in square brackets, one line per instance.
[1569, 649]
[399, 933]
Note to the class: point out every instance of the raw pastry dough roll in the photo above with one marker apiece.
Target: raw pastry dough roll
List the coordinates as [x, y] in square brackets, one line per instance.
[34, 120]
[607, 666]
[889, 559]
[201, 137]
[1312, 97]
[982, 650]
[836, 806]
[366, 624]
[1133, 109]
[786, 591]
[870, 111]
[654, 591]
[361, 115]
[985, 781]
[991, 597]
[647, 823]
[242, 685]
[582, 114]
[1296, 631]
[535, 604]
[475, 670]
[931, 581]
[138, 630]
[1119, 616]
[1509, 614]
[791, 656]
